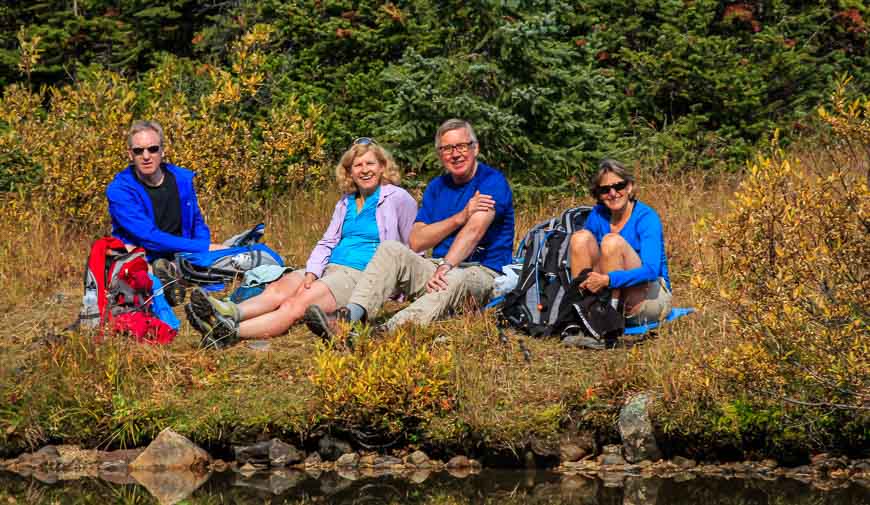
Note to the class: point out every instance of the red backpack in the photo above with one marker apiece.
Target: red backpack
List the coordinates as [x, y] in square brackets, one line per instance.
[118, 293]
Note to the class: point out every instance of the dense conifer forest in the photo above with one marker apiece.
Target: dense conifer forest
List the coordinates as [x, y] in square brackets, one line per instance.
[551, 85]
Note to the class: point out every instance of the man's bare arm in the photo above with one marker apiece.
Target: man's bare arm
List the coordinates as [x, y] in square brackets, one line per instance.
[426, 236]
[469, 236]
[463, 245]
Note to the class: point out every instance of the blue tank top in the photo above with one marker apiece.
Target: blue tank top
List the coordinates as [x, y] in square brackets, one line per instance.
[359, 234]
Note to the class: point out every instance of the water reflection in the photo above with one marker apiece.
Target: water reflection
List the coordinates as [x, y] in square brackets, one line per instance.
[488, 487]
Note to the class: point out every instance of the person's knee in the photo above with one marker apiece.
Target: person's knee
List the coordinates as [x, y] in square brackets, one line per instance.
[612, 244]
[581, 240]
[273, 289]
[292, 309]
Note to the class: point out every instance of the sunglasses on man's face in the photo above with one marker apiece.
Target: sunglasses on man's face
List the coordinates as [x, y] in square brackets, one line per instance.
[151, 149]
[603, 190]
[364, 141]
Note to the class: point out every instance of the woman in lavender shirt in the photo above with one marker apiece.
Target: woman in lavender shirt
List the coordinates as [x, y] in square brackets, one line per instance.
[371, 210]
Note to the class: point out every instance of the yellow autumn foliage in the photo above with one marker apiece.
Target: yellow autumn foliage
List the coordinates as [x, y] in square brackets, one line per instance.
[76, 134]
[793, 267]
[394, 379]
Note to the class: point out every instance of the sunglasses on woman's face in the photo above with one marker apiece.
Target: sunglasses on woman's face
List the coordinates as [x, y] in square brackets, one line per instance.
[603, 190]
[364, 141]
[151, 149]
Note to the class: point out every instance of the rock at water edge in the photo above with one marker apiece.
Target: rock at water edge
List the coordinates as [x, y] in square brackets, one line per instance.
[331, 448]
[638, 436]
[171, 451]
[274, 452]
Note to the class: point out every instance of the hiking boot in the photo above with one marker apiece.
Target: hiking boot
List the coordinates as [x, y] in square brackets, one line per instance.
[322, 324]
[221, 334]
[585, 341]
[167, 272]
[208, 307]
[202, 327]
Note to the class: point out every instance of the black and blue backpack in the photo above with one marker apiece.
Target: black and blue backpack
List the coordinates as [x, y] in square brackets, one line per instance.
[546, 300]
[538, 305]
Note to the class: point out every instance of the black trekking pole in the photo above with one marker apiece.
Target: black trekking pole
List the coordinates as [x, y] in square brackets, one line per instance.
[502, 337]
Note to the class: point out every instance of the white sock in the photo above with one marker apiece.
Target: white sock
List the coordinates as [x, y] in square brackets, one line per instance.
[614, 302]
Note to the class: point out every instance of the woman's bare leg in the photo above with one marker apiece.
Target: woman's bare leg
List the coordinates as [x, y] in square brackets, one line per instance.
[617, 254]
[273, 296]
[288, 312]
[584, 252]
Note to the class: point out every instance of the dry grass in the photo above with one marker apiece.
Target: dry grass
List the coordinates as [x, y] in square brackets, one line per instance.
[497, 397]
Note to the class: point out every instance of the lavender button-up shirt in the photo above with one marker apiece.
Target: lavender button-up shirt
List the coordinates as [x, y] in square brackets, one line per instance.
[395, 214]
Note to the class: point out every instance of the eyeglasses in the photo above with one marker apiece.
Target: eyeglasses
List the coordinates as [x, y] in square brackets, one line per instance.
[460, 148]
[603, 190]
[364, 141]
[151, 149]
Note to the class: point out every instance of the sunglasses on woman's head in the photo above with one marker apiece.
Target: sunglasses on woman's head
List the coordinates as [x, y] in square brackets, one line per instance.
[603, 190]
[139, 150]
[364, 141]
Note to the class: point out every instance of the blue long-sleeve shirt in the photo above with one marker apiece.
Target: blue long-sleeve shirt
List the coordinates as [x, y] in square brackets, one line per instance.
[644, 234]
[133, 215]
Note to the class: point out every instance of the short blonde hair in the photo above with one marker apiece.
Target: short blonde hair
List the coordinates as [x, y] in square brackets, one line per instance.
[141, 126]
[342, 170]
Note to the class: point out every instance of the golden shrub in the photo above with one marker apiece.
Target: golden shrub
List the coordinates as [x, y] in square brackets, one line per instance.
[79, 138]
[849, 119]
[384, 382]
[793, 267]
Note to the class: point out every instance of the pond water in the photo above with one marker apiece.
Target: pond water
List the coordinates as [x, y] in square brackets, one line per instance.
[501, 487]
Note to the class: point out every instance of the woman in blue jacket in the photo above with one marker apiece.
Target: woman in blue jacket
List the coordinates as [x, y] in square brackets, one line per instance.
[623, 243]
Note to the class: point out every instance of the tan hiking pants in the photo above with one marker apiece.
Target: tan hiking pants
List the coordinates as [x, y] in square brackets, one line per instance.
[395, 267]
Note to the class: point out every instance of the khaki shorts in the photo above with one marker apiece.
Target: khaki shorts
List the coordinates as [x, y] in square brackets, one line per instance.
[340, 280]
[656, 307]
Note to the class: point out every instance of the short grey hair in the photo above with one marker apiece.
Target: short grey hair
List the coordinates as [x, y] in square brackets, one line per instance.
[615, 167]
[454, 124]
[141, 126]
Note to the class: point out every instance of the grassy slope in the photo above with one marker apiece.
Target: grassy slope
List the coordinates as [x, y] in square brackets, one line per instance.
[121, 394]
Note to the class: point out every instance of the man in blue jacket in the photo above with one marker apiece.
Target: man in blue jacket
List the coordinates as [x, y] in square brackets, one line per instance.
[153, 203]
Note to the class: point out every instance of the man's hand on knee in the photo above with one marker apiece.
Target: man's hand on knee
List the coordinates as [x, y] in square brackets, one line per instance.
[438, 281]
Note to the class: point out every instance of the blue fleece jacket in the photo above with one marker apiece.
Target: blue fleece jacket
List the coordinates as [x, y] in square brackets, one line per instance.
[133, 215]
[644, 234]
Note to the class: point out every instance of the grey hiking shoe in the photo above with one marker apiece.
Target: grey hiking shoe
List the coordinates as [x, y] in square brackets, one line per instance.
[167, 272]
[215, 320]
[208, 307]
[221, 334]
[322, 324]
[587, 342]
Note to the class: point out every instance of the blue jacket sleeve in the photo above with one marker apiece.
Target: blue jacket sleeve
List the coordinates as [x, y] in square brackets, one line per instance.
[200, 229]
[594, 224]
[140, 230]
[649, 229]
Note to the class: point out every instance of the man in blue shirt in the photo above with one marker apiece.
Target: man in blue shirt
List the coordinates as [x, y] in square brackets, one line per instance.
[466, 218]
[152, 203]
